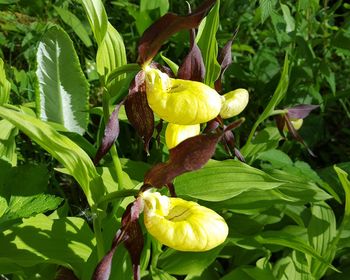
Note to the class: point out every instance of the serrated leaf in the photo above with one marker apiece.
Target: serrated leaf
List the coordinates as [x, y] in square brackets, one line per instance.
[63, 90]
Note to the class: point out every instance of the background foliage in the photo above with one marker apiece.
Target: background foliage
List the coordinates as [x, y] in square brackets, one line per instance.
[288, 212]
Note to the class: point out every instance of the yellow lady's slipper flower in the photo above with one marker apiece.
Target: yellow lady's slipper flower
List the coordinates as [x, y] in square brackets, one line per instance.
[183, 225]
[176, 133]
[181, 101]
[234, 103]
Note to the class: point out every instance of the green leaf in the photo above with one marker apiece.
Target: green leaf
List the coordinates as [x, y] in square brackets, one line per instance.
[8, 134]
[266, 8]
[187, 263]
[206, 39]
[291, 240]
[97, 17]
[5, 85]
[62, 148]
[288, 18]
[21, 192]
[322, 231]
[63, 91]
[111, 52]
[74, 22]
[68, 242]
[248, 273]
[173, 66]
[342, 175]
[274, 101]
[294, 266]
[223, 180]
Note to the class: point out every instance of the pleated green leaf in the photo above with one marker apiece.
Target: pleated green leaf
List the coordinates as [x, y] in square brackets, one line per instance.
[5, 85]
[63, 91]
[97, 17]
[69, 154]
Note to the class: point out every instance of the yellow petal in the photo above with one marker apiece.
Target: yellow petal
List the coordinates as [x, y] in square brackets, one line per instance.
[234, 103]
[181, 101]
[176, 133]
[183, 225]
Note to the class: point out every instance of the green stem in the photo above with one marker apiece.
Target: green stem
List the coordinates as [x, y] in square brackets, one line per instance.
[98, 233]
[117, 195]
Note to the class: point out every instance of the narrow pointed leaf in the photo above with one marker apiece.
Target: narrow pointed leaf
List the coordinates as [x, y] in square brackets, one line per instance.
[110, 135]
[153, 38]
[138, 111]
[192, 67]
[5, 85]
[63, 90]
[207, 42]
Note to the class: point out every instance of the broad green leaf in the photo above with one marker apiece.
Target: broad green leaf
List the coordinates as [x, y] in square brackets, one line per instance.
[68, 242]
[63, 92]
[60, 147]
[5, 85]
[223, 180]
[8, 134]
[277, 158]
[97, 17]
[162, 5]
[322, 231]
[74, 22]
[187, 263]
[342, 175]
[206, 39]
[274, 101]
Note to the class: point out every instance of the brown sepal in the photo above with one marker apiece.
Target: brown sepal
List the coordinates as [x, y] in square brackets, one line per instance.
[131, 234]
[189, 155]
[169, 24]
[192, 68]
[139, 114]
[296, 135]
[110, 134]
[225, 60]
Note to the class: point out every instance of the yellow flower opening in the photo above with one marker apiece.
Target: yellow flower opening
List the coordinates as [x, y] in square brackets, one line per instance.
[176, 133]
[183, 225]
[297, 123]
[181, 101]
[234, 103]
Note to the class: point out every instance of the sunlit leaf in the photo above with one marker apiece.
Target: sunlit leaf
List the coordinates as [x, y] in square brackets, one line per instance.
[63, 90]
[77, 162]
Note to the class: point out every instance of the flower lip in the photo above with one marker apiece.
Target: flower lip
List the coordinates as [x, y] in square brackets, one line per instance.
[180, 101]
[183, 225]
